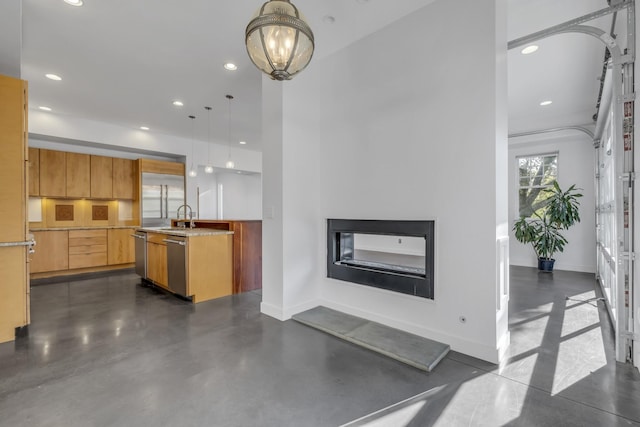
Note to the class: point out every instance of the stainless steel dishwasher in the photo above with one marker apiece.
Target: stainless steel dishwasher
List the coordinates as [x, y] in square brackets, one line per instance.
[141, 253]
[177, 264]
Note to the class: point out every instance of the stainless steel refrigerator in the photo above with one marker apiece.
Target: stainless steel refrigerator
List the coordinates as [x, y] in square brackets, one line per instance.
[162, 195]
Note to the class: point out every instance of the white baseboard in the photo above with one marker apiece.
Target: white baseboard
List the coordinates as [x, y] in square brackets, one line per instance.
[288, 312]
[271, 310]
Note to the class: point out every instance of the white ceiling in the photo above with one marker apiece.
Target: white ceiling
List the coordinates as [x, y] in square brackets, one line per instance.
[124, 62]
[565, 69]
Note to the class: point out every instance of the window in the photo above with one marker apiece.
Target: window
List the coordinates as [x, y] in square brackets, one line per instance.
[535, 173]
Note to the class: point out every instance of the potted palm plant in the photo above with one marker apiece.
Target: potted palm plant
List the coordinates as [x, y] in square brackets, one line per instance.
[542, 230]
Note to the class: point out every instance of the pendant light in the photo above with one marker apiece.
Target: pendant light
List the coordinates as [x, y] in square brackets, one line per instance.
[208, 168]
[279, 41]
[193, 172]
[230, 164]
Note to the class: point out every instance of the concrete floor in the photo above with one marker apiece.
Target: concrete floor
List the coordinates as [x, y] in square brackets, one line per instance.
[108, 352]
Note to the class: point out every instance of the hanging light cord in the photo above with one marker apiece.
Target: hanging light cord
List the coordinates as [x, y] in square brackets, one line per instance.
[209, 138]
[229, 97]
[193, 138]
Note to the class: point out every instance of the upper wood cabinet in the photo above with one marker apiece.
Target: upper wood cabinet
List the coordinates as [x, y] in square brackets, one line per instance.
[101, 177]
[159, 166]
[78, 175]
[53, 173]
[34, 172]
[59, 174]
[123, 179]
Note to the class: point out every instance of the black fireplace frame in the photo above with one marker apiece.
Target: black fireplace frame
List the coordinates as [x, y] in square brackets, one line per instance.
[340, 236]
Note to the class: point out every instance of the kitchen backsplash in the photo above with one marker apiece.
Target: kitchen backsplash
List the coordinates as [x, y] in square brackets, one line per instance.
[52, 213]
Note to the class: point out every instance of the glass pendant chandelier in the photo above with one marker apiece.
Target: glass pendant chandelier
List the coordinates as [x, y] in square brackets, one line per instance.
[279, 41]
[193, 172]
[208, 168]
[230, 164]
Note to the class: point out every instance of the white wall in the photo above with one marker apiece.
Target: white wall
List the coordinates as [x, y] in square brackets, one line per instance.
[11, 38]
[575, 166]
[424, 144]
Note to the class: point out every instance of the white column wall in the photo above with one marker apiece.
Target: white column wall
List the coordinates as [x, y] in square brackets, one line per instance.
[575, 166]
[399, 125]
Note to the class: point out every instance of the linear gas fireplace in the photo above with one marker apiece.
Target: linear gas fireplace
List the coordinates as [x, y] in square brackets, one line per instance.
[393, 255]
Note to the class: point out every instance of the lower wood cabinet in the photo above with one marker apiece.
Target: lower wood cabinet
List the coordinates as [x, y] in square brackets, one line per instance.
[87, 248]
[51, 251]
[157, 259]
[64, 250]
[120, 246]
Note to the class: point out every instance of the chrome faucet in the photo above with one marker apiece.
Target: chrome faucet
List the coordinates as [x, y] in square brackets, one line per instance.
[184, 225]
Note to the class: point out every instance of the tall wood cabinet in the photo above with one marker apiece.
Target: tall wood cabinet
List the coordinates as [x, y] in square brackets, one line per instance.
[14, 278]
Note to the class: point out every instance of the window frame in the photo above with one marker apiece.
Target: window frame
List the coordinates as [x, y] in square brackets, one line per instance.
[517, 175]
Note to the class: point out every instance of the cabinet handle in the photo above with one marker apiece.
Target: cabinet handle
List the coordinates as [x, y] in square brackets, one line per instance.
[179, 242]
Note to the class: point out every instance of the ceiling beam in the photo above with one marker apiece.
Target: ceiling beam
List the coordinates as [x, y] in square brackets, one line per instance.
[566, 26]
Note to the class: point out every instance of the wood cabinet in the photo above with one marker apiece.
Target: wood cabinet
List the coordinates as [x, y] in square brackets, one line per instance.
[159, 166]
[123, 179]
[51, 251]
[87, 248]
[78, 175]
[34, 172]
[247, 250]
[157, 259]
[53, 173]
[209, 267]
[14, 279]
[101, 177]
[120, 246]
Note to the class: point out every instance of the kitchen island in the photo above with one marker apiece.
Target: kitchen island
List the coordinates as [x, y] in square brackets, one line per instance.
[193, 263]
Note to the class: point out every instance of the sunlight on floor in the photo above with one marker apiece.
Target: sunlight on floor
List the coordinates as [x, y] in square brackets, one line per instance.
[581, 350]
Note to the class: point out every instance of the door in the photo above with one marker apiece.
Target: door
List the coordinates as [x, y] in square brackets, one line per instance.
[14, 278]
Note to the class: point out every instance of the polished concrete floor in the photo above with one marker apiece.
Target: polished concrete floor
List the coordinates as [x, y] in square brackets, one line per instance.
[109, 352]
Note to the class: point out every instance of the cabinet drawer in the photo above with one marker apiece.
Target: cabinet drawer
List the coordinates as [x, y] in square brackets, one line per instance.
[87, 249]
[87, 238]
[87, 260]
[157, 238]
[84, 234]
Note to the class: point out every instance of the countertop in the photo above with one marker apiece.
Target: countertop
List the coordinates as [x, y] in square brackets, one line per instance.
[184, 232]
[103, 227]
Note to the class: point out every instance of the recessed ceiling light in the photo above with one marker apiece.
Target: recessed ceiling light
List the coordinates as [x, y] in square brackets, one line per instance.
[144, 128]
[43, 108]
[544, 103]
[53, 77]
[529, 49]
[74, 2]
[230, 66]
[178, 103]
[328, 19]
[362, 1]
[243, 142]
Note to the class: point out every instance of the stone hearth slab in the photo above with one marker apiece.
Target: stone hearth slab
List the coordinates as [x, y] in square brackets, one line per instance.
[416, 351]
